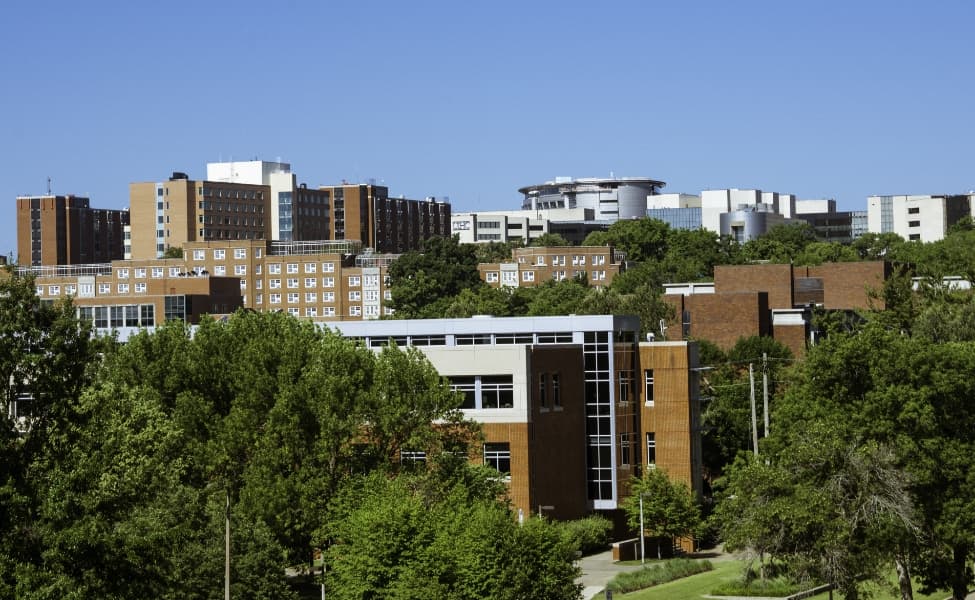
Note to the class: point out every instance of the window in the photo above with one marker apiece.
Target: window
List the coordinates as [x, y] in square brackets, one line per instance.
[491, 276]
[371, 311]
[123, 273]
[328, 296]
[275, 298]
[86, 290]
[913, 223]
[292, 268]
[354, 281]
[626, 385]
[528, 276]
[240, 269]
[355, 310]
[294, 311]
[219, 254]
[274, 268]
[328, 267]
[311, 282]
[914, 237]
[328, 282]
[509, 278]
[355, 296]
[370, 281]
[258, 269]
[220, 270]
[274, 284]
[540, 261]
[311, 297]
[556, 392]
[199, 255]
[140, 288]
[292, 283]
[648, 382]
[140, 273]
[293, 298]
[328, 311]
[310, 267]
[914, 210]
[257, 253]
[123, 288]
[174, 271]
[311, 311]
[498, 456]
[412, 457]
[70, 289]
[651, 449]
[243, 285]
[542, 397]
[599, 260]
[53, 290]
[104, 288]
[497, 391]
[371, 296]
[240, 253]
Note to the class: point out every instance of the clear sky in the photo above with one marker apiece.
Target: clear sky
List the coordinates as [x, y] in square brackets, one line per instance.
[472, 100]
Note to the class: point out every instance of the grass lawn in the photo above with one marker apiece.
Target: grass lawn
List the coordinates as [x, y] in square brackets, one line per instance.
[697, 586]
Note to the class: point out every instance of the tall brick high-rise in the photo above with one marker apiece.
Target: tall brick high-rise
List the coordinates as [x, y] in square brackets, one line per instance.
[65, 230]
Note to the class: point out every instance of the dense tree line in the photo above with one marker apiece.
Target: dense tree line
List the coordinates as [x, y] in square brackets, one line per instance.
[121, 482]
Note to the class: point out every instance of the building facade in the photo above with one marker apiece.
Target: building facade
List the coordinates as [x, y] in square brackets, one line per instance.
[170, 213]
[535, 265]
[65, 230]
[366, 213]
[918, 218]
[609, 199]
[563, 401]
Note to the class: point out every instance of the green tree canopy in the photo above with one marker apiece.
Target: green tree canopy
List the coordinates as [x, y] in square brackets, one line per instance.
[668, 507]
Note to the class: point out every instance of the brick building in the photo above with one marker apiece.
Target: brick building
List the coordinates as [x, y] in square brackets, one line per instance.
[65, 230]
[535, 265]
[771, 300]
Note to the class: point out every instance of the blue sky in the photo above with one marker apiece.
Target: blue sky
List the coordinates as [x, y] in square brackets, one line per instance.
[474, 100]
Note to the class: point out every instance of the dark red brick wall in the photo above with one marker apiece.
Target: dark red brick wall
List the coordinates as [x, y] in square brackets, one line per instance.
[774, 279]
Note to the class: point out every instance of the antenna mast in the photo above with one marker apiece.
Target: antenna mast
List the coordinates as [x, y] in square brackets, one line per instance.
[48, 186]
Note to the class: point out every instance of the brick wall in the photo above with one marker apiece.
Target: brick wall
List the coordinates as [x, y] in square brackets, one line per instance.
[774, 279]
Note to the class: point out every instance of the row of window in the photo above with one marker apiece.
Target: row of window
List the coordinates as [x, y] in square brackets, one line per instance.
[557, 261]
[485, 391]
[132, 315]
[494, 454]
[511, 277]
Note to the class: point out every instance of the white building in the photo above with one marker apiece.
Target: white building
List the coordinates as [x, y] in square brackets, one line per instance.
[511, 225]
[745, 214]
[921, 217]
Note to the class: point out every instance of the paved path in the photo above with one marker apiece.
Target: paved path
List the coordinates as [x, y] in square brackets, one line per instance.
[599, 569]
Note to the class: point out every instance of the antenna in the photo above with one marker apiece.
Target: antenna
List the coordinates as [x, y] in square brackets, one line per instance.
[48, 186]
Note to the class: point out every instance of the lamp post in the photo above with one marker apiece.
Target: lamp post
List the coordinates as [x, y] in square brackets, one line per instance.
[643, 553]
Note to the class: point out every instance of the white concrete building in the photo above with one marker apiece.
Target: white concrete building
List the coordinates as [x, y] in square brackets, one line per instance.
[511, 225]
[919, 217]
[745, 214]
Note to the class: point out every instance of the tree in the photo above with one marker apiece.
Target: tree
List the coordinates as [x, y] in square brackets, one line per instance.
[668, 507]
[422, 284]
[173, 252]
[549, 239]
[46, 359]
[402, 537]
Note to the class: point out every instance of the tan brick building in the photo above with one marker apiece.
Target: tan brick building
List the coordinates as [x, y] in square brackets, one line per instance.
[366, 213]
[65, 230]
[170, 213]
[533, 266]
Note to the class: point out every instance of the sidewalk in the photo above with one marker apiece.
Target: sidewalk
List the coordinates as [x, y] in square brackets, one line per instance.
[599, 569]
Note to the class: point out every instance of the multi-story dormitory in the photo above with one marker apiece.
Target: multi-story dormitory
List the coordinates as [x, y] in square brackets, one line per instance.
[326, 281]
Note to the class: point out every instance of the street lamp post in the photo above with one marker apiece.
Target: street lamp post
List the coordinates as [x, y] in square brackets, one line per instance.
[643, 552]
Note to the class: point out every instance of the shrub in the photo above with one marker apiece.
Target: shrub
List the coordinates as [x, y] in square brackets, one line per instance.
[773, 588]
[657, 574]
[588, 535]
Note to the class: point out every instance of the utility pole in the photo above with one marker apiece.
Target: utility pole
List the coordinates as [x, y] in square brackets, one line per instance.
[765, 389]
[226, 573]
[751, 384]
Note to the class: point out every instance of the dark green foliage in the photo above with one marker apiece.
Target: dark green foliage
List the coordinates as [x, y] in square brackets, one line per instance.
[650, 576]
[423, 283]
[669, 508]
[589, 535]
[550, 239]
[398, 538]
